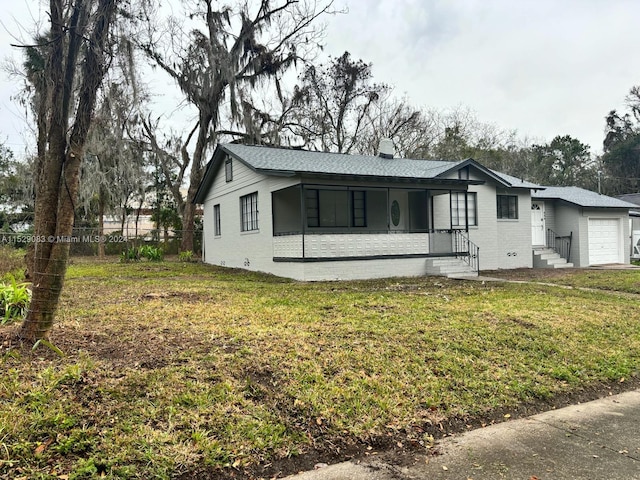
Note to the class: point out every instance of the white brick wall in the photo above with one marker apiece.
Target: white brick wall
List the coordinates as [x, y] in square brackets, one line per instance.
[503, 243]
[363, 269]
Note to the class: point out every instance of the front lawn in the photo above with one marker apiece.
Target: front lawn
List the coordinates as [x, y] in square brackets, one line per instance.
[183, 369]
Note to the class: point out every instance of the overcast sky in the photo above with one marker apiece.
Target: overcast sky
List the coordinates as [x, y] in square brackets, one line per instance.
[543, 67]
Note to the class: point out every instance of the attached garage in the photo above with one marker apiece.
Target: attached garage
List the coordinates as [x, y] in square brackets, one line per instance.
[597, 225]
[604, 241]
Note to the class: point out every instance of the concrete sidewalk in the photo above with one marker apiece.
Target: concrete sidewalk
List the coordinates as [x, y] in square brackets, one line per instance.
[599, 440]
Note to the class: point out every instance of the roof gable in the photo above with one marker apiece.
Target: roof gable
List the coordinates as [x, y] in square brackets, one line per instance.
[502, 178]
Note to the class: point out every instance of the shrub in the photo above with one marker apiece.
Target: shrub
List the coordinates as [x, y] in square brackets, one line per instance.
[14, 301]
[131, 254]
[186, 256]
[134, 254]
[149, 252]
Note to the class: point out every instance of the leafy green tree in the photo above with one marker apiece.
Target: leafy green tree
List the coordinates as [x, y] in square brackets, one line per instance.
[166, 217]
[621, 157]
[9, 181]
[565, 161]
[16, 192]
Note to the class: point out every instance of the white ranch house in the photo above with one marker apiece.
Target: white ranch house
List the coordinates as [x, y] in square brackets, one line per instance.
[324, 216]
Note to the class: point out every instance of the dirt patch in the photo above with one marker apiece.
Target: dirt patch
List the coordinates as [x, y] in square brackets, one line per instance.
[532, 274]
[146, 348]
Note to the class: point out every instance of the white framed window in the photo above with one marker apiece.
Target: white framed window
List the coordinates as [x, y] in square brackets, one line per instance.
[216, 220]
[459, 213]
[507, 207]
[249, 212]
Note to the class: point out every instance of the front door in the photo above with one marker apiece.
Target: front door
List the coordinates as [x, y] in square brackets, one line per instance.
[537, 224]
[398, 210]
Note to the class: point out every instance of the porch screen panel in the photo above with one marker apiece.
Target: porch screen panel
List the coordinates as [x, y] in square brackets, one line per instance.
[377, 202]
[334, 208]
[286, 205]
[418, 211]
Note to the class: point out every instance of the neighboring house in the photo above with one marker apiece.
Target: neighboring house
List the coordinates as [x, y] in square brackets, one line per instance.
[324, 216]
[634, 222]
[134, 225]
[596, 227]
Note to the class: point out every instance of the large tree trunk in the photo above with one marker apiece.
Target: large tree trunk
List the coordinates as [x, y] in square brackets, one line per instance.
[51, 252]
[59, 168]
[197, 171]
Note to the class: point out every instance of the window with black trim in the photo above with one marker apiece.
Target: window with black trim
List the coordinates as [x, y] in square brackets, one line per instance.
[249, 212]
[359, 208]
[216, 220]
[228, 170]
[313, 208]
[507, 207]
[459, 213]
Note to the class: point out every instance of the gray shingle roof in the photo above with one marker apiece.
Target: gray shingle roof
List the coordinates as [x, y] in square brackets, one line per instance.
[581, 197]
[283, 161]
[516, 182]
[301, 161]
[630, 197]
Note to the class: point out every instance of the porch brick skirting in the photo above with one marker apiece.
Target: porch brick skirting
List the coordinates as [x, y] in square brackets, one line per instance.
[343, 247]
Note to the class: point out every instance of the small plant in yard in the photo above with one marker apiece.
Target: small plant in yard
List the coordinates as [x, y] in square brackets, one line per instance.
[151, 253]
[135, 254]
[186, 256]
[131, 254]
[14, 301]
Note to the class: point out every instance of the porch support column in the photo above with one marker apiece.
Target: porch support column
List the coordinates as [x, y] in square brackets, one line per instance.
[303, 210]
[466, 212]
[450, 210]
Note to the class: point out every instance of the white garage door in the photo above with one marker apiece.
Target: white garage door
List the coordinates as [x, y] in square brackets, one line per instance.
[604, 241]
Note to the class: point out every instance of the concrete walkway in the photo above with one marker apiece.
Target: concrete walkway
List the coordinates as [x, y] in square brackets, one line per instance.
[599, 440]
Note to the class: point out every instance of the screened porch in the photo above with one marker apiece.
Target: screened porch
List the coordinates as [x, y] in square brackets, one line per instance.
[322, 223]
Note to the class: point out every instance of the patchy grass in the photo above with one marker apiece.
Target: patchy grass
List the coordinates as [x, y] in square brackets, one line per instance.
[620, 281]
[612, 280]
[184, 369]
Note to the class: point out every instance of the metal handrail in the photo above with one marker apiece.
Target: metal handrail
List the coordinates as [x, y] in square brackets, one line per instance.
[466, 250]
[561, 244]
